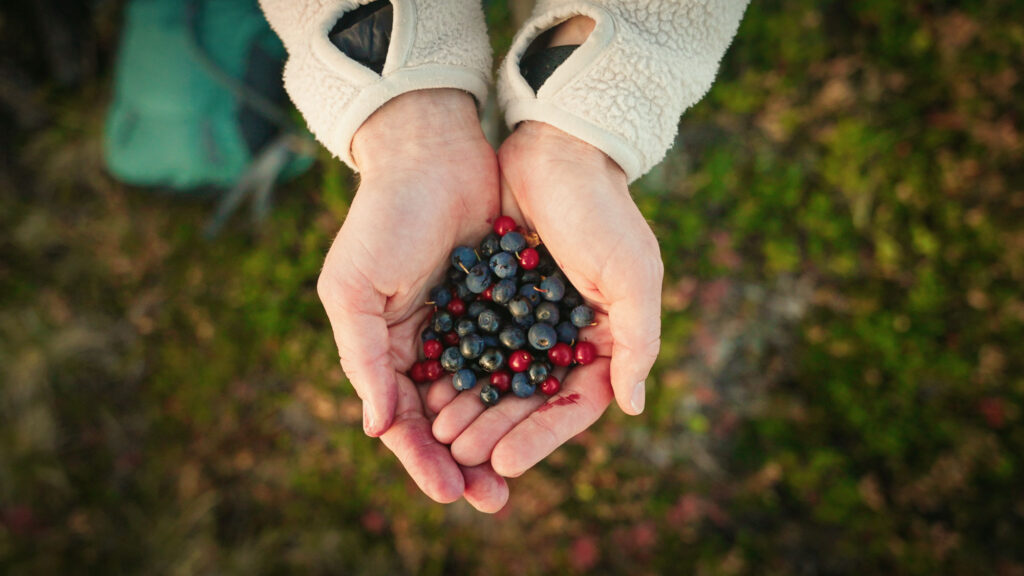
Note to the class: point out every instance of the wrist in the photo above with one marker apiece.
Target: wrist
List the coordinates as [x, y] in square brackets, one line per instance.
[555, 144]
[414, 127]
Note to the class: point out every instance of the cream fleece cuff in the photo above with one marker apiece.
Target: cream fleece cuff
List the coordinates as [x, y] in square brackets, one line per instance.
[625, 88]
[434, 44]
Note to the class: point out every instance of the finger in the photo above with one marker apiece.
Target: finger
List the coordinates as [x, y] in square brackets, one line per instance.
[581, 402]
[356, 312]
[440, 394]
[457, 416]
[634, 319]
[474, 445]
[485, 489]
[428, 463]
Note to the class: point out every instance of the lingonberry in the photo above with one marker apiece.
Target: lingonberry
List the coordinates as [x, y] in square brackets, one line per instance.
[560, 354]
[432, 349]
[519, 361]
[501, 381]
[584, 353]
[529, 259]
[550, 386]
[457, 306]
[503, 225]
[432, 370]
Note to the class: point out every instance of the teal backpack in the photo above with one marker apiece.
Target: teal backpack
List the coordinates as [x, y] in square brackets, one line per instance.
[198, 104]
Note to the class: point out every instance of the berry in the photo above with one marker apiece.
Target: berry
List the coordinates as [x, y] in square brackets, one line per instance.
[572, 299]
[465, 326]
[417, 372]
[489, 321]
[452, 360]
[464, 379]
[492, 360]
[520, 306]
[475, 308]
[503, 291]
[462, 291]
[479, 278]
[457, 306]
[489, 395]
[560, 354]
[567, 332]
[550, 386]
[553, 288]
[520, 361]
[432, 349]
[432, 370]
[443, 321]
[488, 294]
[512, 337]
[513, 242]
[490, 245]
[531, 277]
[538, 372]
[546, 312]
[472, 346]
[450, 339]
[503, 225]
[529, 259]
[582, 316]
[463, 258]
[429, 334]
[529, 291]
[524, 322]
[542, 336]
[440, 296]
[501, 381]
[504, 265]
[585, 353]
[521, 386]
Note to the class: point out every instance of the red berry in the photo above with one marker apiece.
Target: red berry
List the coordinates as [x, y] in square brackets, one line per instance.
[585, 353]
[520, 361]
[450, 339]
[529, 259]
[457, 307]
[488, 294]
[432, 370]
[416, 372]
[550, 386]
[432, 349]
[503, 225]
[501, 381]
[560, 354]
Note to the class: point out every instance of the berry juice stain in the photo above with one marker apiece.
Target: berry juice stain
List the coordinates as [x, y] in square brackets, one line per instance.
[563, 401]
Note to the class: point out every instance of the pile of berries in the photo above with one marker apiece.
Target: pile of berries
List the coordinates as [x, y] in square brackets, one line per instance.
[506, 316]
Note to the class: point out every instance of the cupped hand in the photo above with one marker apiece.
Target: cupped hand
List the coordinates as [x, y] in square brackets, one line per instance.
[577, 199]
[429, 182]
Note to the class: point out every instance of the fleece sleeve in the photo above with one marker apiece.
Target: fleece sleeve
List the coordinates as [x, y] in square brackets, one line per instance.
[434, 44]
[625, 88]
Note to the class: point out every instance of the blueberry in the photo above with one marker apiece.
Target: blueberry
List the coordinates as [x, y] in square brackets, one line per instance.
[582, 316]
[479, 278]
[572, 299]
[452, 360]
[462, 291]
[429, 334]
[504, 291]
[490, 245]
[464, 379]
[463, 258]
[530, 292]
[521, 385]
[504, 265]
[546, 312]
[531, 277]
[490, 341]
[472, 346]
[512, 338]
[567, 332]
[524, 322]
[538, 372]
[443, 322]
[553, 288]
[440, 296]
[489, 321]
[492, 360]
[520, 307]
[475, 308]
[513, 242]
[542, 336]
[489, 395]
[465, 326]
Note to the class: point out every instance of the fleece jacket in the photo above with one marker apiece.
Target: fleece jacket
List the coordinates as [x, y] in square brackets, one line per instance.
[624, 89]
[434, 44]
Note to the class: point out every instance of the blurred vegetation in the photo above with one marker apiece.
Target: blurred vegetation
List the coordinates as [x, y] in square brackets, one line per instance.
[839, 389]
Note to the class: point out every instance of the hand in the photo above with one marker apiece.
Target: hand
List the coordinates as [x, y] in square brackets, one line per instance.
[577, 199]
[429, 182]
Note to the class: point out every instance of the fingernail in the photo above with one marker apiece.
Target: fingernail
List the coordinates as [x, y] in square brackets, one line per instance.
[639, 397]
[368, 423]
